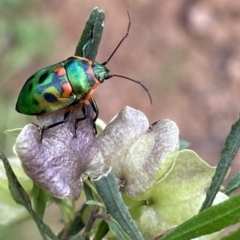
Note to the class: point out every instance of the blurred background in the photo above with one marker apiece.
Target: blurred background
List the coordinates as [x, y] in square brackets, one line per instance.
[186, 52]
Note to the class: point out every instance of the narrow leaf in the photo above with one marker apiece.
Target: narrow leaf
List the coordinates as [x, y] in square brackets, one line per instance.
[228, 153]
[102, 231]
[76, 226]
[87, 190]
[107, 188]
[95, 203]
[39, 200]
[95, 23]
[116, 229]
[233, 184]
[77, 237]
[13, 132]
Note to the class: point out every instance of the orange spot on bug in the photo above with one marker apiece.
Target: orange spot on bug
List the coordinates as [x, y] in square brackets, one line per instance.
[60, 71]
[67, 90]
[95, 86]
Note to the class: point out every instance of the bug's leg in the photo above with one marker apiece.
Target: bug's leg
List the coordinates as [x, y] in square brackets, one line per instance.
[88, 43]
[96, 110]
[85, 114]
[65, 119]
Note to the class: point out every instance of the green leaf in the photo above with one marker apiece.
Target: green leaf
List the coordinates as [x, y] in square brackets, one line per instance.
[13, 132]
[107, 188]
[233, 184]
[67, 208]
[209, 221]
[117, 230]
[76, 226]
[102, 231]
[77, 237]
[95, 203]
[21, 197]
[228, 153]
[88, 190]
[95, 23]
[40, 198]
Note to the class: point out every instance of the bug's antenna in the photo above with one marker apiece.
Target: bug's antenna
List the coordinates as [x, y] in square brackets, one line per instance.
[126, 35]
[130, 79]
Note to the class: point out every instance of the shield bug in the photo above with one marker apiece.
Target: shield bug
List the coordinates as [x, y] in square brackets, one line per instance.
[66, 83]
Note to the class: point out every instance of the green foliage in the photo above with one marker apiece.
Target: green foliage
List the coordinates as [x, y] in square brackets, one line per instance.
[233, 184]
[40, 199]
[228, 153]
[107, 188]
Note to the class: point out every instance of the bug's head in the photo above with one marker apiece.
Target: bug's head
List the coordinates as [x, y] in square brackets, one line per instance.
[101, 72]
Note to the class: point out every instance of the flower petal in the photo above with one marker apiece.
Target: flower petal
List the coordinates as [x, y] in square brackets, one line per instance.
[150, 157]
[57, 162]
[119, 135]
[138, 154]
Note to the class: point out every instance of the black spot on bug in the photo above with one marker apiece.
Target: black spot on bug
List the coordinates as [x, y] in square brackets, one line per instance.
[43, 77]
[35, 102]
[30, 87]
[50, 97]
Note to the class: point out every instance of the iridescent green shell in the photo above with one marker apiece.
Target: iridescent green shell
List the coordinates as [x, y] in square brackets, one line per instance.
[60, 85]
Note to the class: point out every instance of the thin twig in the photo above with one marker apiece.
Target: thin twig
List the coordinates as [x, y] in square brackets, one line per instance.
[91, 220]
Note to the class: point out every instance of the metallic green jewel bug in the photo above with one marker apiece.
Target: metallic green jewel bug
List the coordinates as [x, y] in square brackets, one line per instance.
[66, 83]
